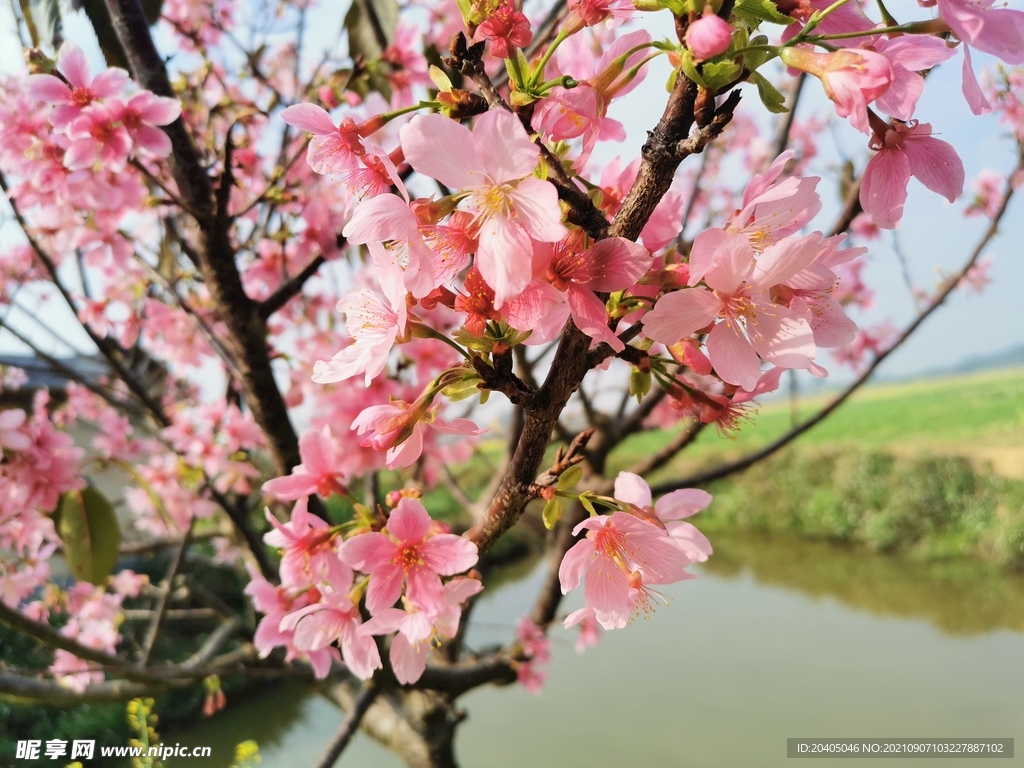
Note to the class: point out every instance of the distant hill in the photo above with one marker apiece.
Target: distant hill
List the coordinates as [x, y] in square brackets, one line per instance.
[1005, 358]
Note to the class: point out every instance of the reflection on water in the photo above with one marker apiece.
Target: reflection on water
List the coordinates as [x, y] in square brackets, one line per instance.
[961, 598]
[777, 638]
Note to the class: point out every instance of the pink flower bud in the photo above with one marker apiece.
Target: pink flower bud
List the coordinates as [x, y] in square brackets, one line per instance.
[709, 36]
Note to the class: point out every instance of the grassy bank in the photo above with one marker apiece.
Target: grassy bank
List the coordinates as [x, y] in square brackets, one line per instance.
[932, 469]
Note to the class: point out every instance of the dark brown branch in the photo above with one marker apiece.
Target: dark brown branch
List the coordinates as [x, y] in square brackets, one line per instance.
[785, 126]
[367, 693]
[667, 145]
[752, 458]
[289, 288]
[216, 254]
[459, 678]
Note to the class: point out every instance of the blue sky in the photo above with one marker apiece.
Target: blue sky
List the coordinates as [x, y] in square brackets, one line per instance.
[934, 235]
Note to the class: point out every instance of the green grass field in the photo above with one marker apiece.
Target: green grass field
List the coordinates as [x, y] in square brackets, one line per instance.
[978, 416]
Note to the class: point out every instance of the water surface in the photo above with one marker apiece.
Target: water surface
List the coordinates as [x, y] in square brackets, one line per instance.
[776, 639]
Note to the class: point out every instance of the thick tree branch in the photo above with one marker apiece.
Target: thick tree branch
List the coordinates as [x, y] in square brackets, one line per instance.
[216, 253]
[52, 692]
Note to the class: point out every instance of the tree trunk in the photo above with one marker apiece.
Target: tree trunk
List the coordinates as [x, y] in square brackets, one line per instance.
[418, 726]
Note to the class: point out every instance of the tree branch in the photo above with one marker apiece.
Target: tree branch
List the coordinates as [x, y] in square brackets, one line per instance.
[367, 693]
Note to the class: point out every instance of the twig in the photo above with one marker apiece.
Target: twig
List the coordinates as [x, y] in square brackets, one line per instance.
[349, 725]
[290, 288]
[161, 604]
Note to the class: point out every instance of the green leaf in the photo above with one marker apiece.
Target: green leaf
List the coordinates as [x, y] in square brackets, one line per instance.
[770, 96]
[689, 67]
[552, 512]
[639, 383]
[362, 34]
[570, 477]
[719, 74]
[87, 526]
[463, 388]
[755, 11]
[587, 503]
[440, 79]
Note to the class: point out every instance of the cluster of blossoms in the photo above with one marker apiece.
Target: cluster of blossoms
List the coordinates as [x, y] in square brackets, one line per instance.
[625, 552]
[317, 602]
[452, 283]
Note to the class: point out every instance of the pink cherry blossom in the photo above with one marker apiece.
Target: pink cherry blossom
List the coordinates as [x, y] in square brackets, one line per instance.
[399, 428]
[998, 31]
[507, 29]
[536, 647]
[335, 619]
[11, 435]
[904, 150]
[320, 471]
[142, 115]
[739, 291]
[619, 557]
[71, 97]
[374, 326]
[908, 55]
[417, 629]
[589, 13]
[494, 163]
[613, 264]
[852, 78]
[408, 553]
[333, 149]
[276, 603]
[97, 137]
[310, 549]
[708, 36]
[670, 509]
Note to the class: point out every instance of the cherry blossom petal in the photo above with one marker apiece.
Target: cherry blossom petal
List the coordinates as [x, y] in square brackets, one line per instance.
[73, 65]
[614, 264]
[443, 149]
[448, 554]
[682, 503]
[591, 316]
[48, 88]
[692, 542]
[734, 262]
[606, 587]
[632, 489]
[408, 660]
[424, 589]
[504, 258]
[782, 337]
[574, 564]
[680, 314]
[310, 118]
[360, 653]
[883, 190]
[368, 552]
[781, 260]
[385, 586]
[972, 91]
[409, 522]
[733, 356]
[510, 154]
[537, 209]
[935, 164]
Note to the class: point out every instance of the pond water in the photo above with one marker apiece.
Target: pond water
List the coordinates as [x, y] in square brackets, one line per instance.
[777, 638]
